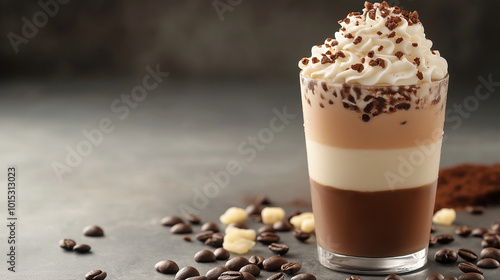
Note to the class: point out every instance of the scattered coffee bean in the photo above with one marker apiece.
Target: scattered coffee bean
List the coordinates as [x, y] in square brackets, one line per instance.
[488, 263]
[273, 263]
[464, 230]
[444, 238]
[236, 263]
[354, 277]
[193, 219]
[450, 278]
[247, 276]
[432, 240]
[471, 276]
[282, 226]
[210, 226]
[262, 199]
[278, 248]
[186, 272]
[94, 231]
[435, 276]
[95, 275]
[82, 248]
[268, 237]
[254, 209]
[469, 267]
[231, 275]
[186, 238]
[171, 220]
[393, 277]
[491, 240]
[215, 240]
[204, 256]
[293, 214]
[467, 254]
[266, 228]
[291, 268]
[277, 276]
[446, 256]
[301, 235]
[241, 225]
[204, 235]
[257, 260]
[221, 254]
[478, 232]
[197, 278]
[67, 244]
[490, 252]
[167, 267]
[474, 209]
[251, 268]
[214, 273]
[181, 228]
[495, 227]
[304, 276]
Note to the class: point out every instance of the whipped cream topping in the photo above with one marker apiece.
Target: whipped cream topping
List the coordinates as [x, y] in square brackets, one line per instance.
[382, 46]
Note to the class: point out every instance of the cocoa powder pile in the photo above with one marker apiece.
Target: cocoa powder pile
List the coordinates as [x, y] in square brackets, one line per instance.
[468, 184]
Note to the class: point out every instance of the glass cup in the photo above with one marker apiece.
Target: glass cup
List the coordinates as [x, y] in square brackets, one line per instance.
[373, 158]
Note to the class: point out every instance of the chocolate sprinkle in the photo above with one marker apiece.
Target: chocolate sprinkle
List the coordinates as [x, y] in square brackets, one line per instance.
[334, 43]
[392, 34]
[415, 44]
[380, 48]
[420, 76]
[392, 22]
[305, 61]
[348, 35]
[358, 67]
[379, 33]
[315, 60]
[370, 54]
[399, 40]
[399, 54]
[325, 60]
[357, 40]
[417, 61]
[377, 62]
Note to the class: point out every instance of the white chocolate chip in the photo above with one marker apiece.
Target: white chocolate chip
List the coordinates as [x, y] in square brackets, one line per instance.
[296, 221]
[271, 215]
[233, 215]
[235, 243]
[307, 225]
[445, 216]
[235, 232]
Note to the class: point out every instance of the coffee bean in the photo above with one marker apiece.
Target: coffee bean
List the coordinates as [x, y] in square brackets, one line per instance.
[293, 214]
[186, 272]
[471, 276]
[257, 260]
[491, 240]
[301, 235]
[354, 277]
[432, 240]
[67, 244]
[446, 256]
[291, 268]
[193, 219]
[254, 209]
[304, 276]
[282, 226]
[204, 235]
[268, 237]
[467, 254]
[221, 254]
[490, 252]
[488, 263]
[170, 221]
[278, 248]
[210, 226]
[247, 276]
[94, 231]
[241, 225]
[450, 278]
[231, 275]
[95, 275]
[82, 248]
[444, 238]
[197, 278]
[204, 256]
[495, 227]
[265, 228]
[214, 273]
[167, 267]
[435, 276]
[216, 240]
[464, 230]
[262, 199]
[251, 268]
[236, 263]
[181, 228]
[273, 263]
[277, 276]
[474, 209]
[469, 267]
[393, 277]
[478, 232]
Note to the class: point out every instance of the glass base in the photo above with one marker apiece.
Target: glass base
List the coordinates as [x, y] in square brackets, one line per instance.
[375, 266]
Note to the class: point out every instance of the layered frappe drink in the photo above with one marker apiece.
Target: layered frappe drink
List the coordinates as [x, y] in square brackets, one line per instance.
[374, 104]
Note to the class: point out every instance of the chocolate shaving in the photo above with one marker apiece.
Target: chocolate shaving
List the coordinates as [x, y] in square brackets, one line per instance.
[334, 43]
[357, 40]
[325, 60]
[380, 48]
[420, 76]
[392, 34]
[315, 60]
[368, 6]
[328, 52]
[343, 29]
[377, 62]
[379, 33]
[363, 60]
[399, 40]
[358, 67]
[328, 39]
[417, 61]
[371, 54]
[348, 35]
[392, 22]
[415, 44]
[347, 20]
[371, 14]
[305, 61]
[399, 54]
[339, 54]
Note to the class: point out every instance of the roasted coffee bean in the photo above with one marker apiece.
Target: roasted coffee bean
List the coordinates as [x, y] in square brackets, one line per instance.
[491, 240]
[254, 209]
[82, 248]
[469, 267]
[241, 225]
[204, 256]
[221, 254]
[474, 209]
[278, 248]
[95, 275]
[467, 254]
[293, 214]
[304, 276]
[435, 276]
[282, 226]
[446, 256]
[471, 276]
[444, 238]
[262, 199]
[478, 232]
[291, 268]
[488, 263]
[247, 276]
[186, 272]
[67, 244]
[464, 230]
[186, 238]
[432, 240]
[495, 227]
[167, 267]
[251, 268]
[268, 237]
[257, 260]
[265, 228]
[215, 240]
[273, 263]
[277, 276]
[490, 252]
[231, 275]
[301, 235]
[393, 277]
[94, 231]
[214, 273]
[210, 226]
[193, 219]
[450, 278]
[171, 220]
[197, 278]
[354, 277]
[236, 263]
[204, 235]
[181, 228]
